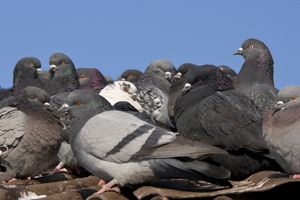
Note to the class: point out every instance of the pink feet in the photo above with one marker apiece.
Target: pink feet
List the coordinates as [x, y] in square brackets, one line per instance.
[58, 169]
[102, 182]
[109, 187]
[296, 176]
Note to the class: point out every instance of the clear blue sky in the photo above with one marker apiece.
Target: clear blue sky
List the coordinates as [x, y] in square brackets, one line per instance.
[117, 35]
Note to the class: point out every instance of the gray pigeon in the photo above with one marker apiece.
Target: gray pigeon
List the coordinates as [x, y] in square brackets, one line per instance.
[281, 128]
[211, 111]
[256, 79]
[159, 73]
[131, 75]
[30, 136]
[122, 149]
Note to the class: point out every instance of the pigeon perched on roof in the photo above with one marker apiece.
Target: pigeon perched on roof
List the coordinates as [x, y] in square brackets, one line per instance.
[281, 129]
[211, 111]
[121, 91]
[159, 73]
[30, 135]
[177, 85]
[91, 79]
[256, 79]
[122, 149]
[131, 75]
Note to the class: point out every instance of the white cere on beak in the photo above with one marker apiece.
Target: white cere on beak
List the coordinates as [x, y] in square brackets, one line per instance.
[52, 67]
[65, 105]
[186, 86]
[279, 103]
[240, 49]
[168, 74]
[39, 71]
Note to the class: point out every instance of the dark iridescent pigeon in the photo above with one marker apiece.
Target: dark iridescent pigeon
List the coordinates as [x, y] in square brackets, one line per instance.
[256, 79]
[26, 73]
[281, 130]
[177, 85]
[122, 149]
[62, 79]
[30, 135]
[211, 111]
[91, 79]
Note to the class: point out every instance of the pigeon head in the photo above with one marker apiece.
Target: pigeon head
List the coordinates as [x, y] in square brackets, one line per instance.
[62, 75]
[91, 79]
[26, 73]
[207, 76]
[31, 98]
[131, 75]
[163, 68]
[288, 97]
[83, 104]
[252, 47]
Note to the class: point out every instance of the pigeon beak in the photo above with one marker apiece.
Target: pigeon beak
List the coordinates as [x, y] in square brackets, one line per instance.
[178, 75]
[47, 106]
[63, 108]
[39, 71]
[279, 103]
[136, 97]
[167, 75]
[186, 87]
[52, 67]
[238, 52]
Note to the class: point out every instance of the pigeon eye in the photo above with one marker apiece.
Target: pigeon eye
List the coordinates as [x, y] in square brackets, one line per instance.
[31, 65]
[199, 80]
[251, 46]
[36, 99]
[294, 98]
[130, 76]
[78, 103]
[62, 62]
[82, 77]
[159, 68]
[126, 89]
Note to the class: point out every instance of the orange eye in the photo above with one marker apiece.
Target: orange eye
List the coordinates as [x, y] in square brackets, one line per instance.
[159, 68]
[62, 62]
[78, 102]
[251, 46]
[31, 65]
[199, 80]
[36, 99]
[130, 76]
[294, 98]
[125, 89]
[82, 77]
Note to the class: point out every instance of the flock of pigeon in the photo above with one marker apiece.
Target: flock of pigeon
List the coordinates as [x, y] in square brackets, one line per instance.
[195, 122]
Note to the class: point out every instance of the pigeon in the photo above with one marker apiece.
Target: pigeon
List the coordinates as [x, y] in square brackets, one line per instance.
[62, 79]
[211, 111]
[30, 135]
[91, 79]
[155, 102]
[159, 73]
[26, 73]
[131, 75]
[121, 91]
[122, 149]
[177, 85]
[256, 79]
[281, 128]
[62, 75]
